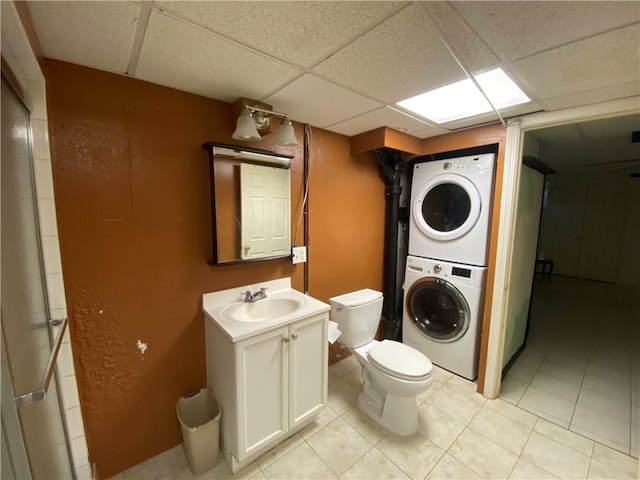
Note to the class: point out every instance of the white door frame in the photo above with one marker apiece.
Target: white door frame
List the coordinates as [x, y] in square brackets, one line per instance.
[506, 233]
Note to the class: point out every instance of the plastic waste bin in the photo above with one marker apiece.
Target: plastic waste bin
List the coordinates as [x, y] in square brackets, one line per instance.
[199, 417]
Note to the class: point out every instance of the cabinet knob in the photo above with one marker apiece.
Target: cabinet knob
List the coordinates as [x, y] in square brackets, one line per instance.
[294, 336]
[285, 339]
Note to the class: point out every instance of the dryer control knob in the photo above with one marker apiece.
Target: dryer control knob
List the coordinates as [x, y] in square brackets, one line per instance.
[447, 165]
[437, 268]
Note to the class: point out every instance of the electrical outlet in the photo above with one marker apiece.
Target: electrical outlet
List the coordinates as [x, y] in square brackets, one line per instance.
[298, 254]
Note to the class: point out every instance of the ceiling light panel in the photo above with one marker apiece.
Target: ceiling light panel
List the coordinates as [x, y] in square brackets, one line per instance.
[394, 60]
[501, 90]
[451, 102]
[463, 99]
[307, 40]
[521, 29]
[217, 68]
[77, 32]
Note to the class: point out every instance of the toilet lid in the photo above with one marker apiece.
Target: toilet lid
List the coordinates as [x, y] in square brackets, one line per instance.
[400, 360]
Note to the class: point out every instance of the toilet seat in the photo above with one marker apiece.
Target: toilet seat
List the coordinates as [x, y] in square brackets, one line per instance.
[400, 360]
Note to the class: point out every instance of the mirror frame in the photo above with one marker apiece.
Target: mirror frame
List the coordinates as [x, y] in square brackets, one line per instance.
[248, 155]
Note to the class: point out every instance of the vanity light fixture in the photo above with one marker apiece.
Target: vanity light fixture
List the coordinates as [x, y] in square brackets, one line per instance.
[253, 118]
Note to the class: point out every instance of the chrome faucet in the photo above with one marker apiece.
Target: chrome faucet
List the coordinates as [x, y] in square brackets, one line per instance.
[249, 296]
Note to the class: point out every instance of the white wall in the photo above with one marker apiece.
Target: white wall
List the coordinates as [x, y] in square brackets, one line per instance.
[523, 260]
[591, 228]
[629, 267]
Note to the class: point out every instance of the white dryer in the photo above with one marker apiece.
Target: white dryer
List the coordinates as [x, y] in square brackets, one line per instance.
[450, 209]
[442, 316]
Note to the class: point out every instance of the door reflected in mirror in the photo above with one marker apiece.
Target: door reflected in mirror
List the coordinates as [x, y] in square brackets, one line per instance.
[251, 204]
[265, 219]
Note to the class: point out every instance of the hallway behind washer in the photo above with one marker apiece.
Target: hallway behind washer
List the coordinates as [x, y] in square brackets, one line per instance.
[580, 367]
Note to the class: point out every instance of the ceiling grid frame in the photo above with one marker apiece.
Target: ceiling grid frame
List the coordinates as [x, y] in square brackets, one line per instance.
[287, 59]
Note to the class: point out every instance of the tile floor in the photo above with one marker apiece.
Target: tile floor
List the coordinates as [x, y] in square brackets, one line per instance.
[462, 435]
[580, 369]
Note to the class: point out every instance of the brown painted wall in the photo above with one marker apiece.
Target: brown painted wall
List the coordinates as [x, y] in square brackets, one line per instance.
[132, 192]
[346, 233]
[346, 219]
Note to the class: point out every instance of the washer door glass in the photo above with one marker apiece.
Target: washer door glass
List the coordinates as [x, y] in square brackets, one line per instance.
[447, 207]
[438, 309]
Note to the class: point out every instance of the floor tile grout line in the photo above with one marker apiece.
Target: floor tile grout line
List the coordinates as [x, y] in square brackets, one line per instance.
[575, 406]
[523, 449]
[572, 432]
[340, 416]
[458, 436]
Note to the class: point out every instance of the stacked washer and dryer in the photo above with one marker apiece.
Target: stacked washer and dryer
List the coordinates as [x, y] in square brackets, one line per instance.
[447, 260]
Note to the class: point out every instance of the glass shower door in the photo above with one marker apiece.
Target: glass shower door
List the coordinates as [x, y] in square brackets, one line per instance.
[32, 426]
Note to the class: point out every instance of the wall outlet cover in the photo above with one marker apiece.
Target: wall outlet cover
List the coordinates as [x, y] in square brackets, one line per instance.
[298, 254]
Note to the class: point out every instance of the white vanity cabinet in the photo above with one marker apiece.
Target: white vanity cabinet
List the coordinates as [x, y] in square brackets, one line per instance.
[269, 385]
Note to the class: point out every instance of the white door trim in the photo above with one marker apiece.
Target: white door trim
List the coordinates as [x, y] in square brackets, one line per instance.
[511, 182]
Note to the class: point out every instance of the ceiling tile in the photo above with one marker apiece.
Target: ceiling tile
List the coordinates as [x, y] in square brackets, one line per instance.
[186, 57]
[402, 57]
[382, 117]
[521, 29]
[94, 34]
[310, 99]
[618, 128]
[611, 92]
[610, 138]
[563, 148]
[298, 32]
[468, 46]
[430, 132]
[571, 69]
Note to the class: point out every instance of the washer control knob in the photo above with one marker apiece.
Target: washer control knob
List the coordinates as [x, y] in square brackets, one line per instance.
[437, 268]
[447, 165]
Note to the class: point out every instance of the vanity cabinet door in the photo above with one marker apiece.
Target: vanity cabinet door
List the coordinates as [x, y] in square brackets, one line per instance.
[308, 363]
[262, 364]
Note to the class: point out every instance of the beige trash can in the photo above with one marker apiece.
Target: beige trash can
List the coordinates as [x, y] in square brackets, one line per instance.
[199, 416]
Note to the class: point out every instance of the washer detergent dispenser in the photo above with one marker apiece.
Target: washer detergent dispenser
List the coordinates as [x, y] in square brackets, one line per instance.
[393, 374]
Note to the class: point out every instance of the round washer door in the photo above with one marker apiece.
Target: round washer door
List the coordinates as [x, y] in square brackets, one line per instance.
[438, 309]
[447, 207]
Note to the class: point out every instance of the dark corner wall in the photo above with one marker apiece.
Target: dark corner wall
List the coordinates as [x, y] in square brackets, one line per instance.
[133, 210]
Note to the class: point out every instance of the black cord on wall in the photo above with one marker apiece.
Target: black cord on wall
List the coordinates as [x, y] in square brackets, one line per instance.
[305, 207]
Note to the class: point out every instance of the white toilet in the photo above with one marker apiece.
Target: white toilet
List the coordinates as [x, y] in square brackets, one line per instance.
[393, 373]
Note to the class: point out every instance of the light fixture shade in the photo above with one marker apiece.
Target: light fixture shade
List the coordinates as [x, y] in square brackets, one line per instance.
[246, 128]
[286, 135]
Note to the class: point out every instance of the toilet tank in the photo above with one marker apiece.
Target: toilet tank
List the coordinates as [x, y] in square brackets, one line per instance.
[358, 315]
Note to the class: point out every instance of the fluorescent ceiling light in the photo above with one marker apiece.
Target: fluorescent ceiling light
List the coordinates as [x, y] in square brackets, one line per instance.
[463, 99]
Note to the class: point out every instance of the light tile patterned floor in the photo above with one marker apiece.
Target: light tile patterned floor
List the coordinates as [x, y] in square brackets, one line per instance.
[580, 369]
[462, 435]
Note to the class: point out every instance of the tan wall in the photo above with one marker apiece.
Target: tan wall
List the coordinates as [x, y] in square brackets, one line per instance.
[133, 209]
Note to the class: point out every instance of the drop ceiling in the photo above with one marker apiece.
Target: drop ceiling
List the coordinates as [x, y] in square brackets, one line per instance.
[597, 150]
[342, 66]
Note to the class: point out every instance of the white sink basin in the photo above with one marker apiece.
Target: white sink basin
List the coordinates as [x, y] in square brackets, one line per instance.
[239, 320]
[261, 310]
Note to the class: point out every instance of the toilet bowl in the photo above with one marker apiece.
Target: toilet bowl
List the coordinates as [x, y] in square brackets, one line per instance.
[393, 373]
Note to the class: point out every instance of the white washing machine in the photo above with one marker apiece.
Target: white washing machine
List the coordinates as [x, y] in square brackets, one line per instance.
[442, 317]
[450, 209]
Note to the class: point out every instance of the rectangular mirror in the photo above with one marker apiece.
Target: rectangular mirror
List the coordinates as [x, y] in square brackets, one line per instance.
[250, 204]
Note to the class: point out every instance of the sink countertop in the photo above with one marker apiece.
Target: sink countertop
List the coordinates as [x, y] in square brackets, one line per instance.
[213, 303]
